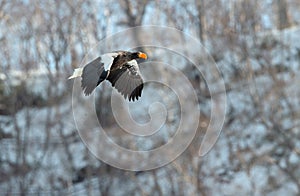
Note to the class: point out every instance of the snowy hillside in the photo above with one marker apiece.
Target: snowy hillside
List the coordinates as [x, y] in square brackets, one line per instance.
[205, 59]
[45, 156]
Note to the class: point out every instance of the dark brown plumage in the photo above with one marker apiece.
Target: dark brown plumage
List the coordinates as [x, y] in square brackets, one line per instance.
[120, 68]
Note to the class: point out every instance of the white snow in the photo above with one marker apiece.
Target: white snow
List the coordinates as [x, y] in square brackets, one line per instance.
[249, 158]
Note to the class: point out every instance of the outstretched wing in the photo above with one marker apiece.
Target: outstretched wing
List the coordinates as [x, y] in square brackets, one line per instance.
[127, 80]
[92, 73]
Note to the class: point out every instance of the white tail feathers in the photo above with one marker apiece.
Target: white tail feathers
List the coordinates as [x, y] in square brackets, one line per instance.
[77, 73]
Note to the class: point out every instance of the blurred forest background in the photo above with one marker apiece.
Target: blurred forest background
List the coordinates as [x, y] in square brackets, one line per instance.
[256, 45]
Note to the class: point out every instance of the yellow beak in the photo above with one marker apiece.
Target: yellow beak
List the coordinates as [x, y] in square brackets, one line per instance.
[142, 55]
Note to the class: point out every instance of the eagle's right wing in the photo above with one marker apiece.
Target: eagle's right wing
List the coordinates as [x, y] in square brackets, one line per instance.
[127, 80]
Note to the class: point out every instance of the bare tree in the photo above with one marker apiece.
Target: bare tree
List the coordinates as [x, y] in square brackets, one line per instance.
[282, 10]
[41, 151]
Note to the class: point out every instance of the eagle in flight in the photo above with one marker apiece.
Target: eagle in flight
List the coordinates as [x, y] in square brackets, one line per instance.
[120, 68]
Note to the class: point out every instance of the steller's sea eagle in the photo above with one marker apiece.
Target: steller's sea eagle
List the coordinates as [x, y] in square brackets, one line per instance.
[119, 67]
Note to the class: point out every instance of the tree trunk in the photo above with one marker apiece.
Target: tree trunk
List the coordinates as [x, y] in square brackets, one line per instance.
[283, 20]
[200, 9]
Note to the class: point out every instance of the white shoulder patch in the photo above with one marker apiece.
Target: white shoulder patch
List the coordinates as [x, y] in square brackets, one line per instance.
[107, 60]
[134, 67]
[133, 63]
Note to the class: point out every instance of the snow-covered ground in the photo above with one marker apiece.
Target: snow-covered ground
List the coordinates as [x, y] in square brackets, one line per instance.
[257, 153]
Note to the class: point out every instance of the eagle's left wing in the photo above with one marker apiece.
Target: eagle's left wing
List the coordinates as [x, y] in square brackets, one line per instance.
[93, 72]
